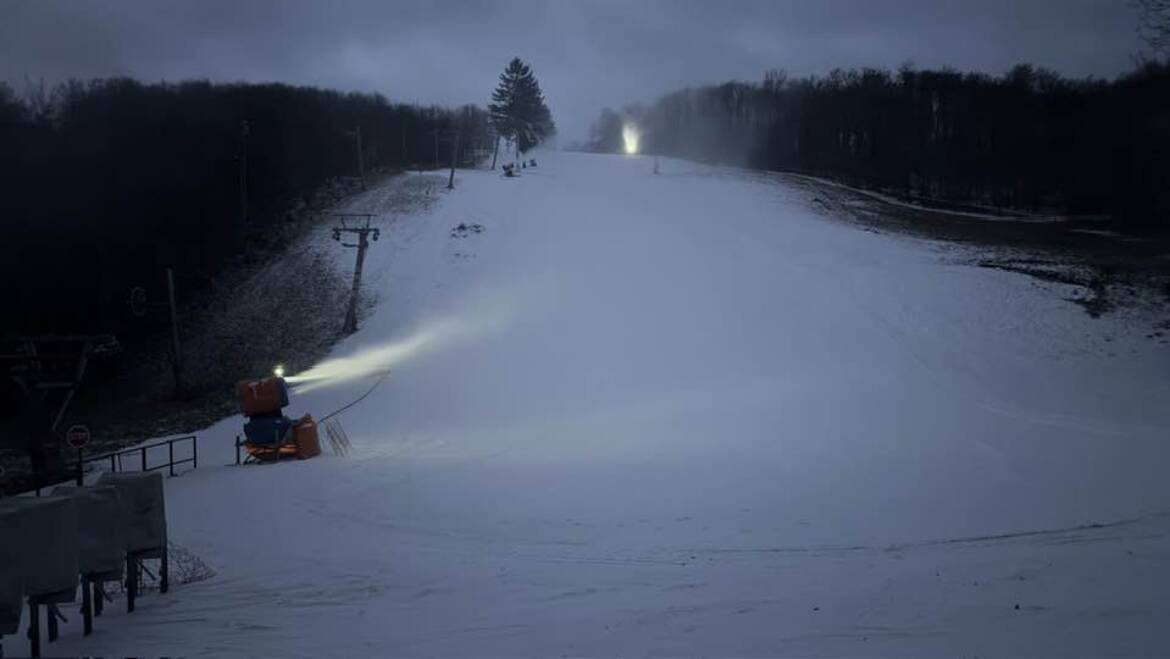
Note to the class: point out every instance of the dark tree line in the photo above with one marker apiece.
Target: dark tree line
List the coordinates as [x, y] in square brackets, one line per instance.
[105, 183]
[1029, 139]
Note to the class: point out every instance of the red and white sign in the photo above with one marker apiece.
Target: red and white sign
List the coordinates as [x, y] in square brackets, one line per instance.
[77, 436]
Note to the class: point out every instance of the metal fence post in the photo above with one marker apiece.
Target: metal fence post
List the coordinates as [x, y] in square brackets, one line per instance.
[86, 607]
[131, 581]
[171, 456]
[34, 628]
[164, 572]
[143, 458]
[194, 452]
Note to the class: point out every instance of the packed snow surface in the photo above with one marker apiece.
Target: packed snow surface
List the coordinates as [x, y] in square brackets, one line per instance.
[686, 414]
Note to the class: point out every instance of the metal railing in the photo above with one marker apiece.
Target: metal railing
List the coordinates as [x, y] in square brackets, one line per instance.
[115, 458]
[141, 460]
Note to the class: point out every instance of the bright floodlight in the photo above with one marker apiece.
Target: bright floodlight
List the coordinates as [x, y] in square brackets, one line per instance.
[278, 371]
[630, 137]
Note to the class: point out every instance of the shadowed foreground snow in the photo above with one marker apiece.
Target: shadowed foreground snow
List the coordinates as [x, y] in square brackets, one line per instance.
[685, 414]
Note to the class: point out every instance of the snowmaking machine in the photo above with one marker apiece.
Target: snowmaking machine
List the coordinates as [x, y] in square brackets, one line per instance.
[269, 435]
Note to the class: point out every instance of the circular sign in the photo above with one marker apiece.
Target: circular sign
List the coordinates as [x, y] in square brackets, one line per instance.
[77, 436]
[138, 301]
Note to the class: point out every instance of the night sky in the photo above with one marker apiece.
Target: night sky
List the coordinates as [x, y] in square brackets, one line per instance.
[586, 54]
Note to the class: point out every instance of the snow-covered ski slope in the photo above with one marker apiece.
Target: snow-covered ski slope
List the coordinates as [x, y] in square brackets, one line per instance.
[686, 414]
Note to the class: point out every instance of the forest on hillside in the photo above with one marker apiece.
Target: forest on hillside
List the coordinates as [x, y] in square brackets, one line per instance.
[1029, 140]
[108, 182]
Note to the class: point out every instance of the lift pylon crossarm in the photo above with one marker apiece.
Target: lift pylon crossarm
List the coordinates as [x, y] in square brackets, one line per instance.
[364, 233]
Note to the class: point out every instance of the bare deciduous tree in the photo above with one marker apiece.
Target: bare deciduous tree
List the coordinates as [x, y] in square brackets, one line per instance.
[1154, 26]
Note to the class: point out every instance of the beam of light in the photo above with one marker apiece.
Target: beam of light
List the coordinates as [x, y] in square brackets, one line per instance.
[630, 138]
[375, 359]
[484, 315]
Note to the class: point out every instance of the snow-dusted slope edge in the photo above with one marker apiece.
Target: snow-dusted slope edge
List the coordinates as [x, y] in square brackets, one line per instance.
[684, 414]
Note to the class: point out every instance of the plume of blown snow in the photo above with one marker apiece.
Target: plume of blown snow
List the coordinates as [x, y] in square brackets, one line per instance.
[486, 314]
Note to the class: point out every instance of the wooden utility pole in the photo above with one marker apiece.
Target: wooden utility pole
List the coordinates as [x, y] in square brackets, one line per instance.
[357, 134]
[140, 307]
[363, 232]
[176, 352]
[404, 159]
[454, 155]
[496, 152]
[244, 130]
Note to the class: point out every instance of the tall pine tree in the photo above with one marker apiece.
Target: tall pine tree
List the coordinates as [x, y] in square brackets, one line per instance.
[518, 111]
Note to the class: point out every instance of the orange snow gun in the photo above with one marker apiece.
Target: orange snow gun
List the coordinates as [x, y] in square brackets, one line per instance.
[269, 435]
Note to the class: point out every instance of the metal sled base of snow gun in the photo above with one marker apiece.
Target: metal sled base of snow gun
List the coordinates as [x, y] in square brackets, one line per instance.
[299, 441]
[263, 453]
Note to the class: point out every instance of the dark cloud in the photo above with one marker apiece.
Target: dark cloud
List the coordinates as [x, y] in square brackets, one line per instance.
[586, 54]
